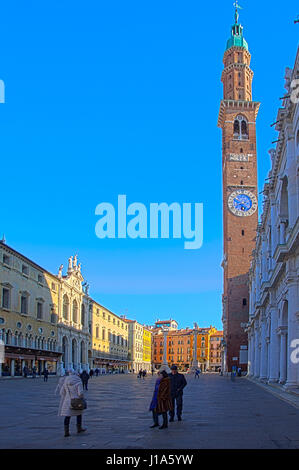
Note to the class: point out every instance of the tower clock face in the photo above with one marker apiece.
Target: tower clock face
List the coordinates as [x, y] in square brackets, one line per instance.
[242, 203]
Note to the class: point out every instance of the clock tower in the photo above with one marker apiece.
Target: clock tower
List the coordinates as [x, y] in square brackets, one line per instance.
[237, 119]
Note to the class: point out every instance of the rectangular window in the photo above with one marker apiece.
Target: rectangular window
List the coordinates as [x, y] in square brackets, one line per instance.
[40, 278]
[5, 298]
[24, 304]
[25, 269]
[6, 260]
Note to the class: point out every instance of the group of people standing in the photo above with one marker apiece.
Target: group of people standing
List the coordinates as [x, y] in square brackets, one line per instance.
[168, 395]
[33, 372]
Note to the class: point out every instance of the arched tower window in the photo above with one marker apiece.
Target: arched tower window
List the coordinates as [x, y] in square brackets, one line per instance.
[241, 128]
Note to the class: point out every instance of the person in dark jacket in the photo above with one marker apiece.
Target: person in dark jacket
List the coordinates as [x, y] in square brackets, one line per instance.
[154, 402]
[91, 373]
[178, 383]
[164, 402]
[84, 377]
[46, 375]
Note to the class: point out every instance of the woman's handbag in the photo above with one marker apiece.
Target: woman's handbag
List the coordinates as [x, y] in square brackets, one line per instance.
[78, 404]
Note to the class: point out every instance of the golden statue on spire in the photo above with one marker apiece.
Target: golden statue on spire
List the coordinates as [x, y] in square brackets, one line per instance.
[237, 6]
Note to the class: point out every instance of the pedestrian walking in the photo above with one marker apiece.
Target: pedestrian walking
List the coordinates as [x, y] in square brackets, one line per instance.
[46, 375]
[25, 371]
[72, 396]
[197, 372]
[144, 374]
[97, 372]
[178, 383]
[34, 372]
[164, 402]
[152, 372]
[85, 377]
[91, 373]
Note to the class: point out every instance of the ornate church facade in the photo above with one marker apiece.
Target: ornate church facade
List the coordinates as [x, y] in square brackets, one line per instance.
[273, 328]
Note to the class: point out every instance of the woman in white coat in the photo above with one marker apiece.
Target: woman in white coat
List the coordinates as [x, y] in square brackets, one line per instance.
[71, 388]
[58, 389]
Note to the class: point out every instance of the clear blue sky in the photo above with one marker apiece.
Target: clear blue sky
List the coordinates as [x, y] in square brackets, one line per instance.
[107, 98]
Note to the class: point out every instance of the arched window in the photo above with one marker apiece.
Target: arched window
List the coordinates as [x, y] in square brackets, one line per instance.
[65, 309]
[8, 337]
[236, 127]
[284, 199]
[82, 315]
[75, 311]
[240, 128]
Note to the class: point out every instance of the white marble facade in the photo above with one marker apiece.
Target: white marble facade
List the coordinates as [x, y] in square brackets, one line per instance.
[73, 321]
[273, 328]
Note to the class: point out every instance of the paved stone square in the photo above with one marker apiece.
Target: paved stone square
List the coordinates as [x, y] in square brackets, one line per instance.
[218, 414]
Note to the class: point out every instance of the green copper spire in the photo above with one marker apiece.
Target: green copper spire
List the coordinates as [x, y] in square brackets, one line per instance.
[236, 38]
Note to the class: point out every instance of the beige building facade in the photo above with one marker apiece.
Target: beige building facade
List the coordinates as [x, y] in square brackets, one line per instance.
[109, 348]
[29, 298]
[138, 347]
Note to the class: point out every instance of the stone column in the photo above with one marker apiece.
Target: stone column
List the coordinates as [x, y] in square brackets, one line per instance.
[274, 344]
[293, 332]
[252, 351]
[291, 170]
[12, 368]
[249, 354]
[263, 368]
[256, 351]
[264, 258]
[165, 366]
[194, 360]
[283, 355]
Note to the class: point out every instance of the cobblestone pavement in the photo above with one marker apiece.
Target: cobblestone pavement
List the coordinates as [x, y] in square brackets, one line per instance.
[218, 414]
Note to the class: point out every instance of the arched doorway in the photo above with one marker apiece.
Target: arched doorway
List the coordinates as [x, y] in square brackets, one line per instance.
[74, 353]
[65, 352]
[82, 353]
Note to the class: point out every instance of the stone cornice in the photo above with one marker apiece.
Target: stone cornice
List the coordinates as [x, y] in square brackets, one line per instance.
[238, 106]
[282, 251]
